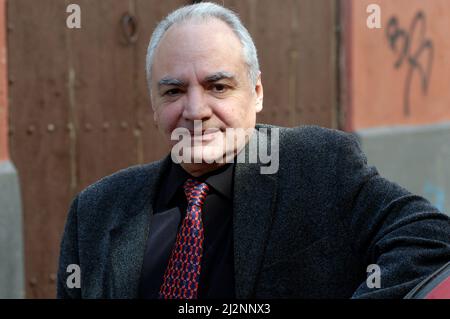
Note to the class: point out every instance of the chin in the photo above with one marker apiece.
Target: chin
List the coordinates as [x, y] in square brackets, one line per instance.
[208, 155]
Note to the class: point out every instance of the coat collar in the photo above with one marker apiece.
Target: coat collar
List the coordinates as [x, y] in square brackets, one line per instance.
[253, 205]
[128, 236]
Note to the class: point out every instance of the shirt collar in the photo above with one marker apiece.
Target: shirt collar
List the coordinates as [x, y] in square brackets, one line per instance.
[221, 180]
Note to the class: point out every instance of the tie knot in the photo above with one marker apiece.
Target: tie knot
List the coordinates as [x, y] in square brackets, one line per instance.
[195, 192]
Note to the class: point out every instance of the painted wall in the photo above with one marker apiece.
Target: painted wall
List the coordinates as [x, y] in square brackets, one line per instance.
[11, 231]
[398, 102]
[415, 157]
[400, 73]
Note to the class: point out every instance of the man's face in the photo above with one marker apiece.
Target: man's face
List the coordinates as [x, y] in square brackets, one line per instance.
[199, 74]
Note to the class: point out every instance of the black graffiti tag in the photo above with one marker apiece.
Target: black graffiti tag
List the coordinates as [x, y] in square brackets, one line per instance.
[410, 52]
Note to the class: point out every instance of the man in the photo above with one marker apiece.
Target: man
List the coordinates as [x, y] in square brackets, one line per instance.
[206, 227]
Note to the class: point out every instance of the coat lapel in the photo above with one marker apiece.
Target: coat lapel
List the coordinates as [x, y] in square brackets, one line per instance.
[253, 206]
[128, 236]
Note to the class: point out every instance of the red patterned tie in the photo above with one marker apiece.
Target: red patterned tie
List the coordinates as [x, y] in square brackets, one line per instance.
[183, 272]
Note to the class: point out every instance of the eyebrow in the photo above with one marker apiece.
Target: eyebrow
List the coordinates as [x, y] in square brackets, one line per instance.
[219, 76]
[169, 81]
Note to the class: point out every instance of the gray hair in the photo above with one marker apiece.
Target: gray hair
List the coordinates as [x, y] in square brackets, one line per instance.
[205, 10]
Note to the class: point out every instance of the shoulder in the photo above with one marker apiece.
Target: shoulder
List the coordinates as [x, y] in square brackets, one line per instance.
[311, 135]
[315, 142]
[120, 186]
[320, 138]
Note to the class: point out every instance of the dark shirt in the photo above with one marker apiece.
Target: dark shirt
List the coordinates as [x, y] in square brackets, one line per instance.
[217, 269]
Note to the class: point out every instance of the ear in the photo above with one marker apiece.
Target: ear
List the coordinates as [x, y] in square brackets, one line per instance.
[259, 94]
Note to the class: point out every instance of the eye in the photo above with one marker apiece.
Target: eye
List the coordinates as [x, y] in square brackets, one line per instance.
[219, 88]
[172, 92]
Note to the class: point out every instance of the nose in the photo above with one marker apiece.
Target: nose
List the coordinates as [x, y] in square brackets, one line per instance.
[196, 106]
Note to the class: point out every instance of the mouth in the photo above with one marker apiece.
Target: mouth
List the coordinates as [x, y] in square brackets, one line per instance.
[206, 135]
[204, 132]
[210, 131]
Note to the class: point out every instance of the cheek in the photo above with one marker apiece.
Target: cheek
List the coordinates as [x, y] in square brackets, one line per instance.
[245, 114]
[168, 118]
[237, 113]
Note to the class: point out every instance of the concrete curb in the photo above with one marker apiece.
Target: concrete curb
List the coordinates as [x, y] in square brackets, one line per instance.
[11, 234]
[417, 158]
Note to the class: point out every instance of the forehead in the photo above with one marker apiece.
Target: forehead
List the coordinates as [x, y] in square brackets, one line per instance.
[200, 46]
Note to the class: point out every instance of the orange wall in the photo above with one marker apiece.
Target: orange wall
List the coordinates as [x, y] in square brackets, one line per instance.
[378, 89]
[3, 86]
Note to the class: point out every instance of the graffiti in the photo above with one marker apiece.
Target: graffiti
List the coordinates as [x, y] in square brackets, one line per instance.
[436, 195]
[411, 46]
